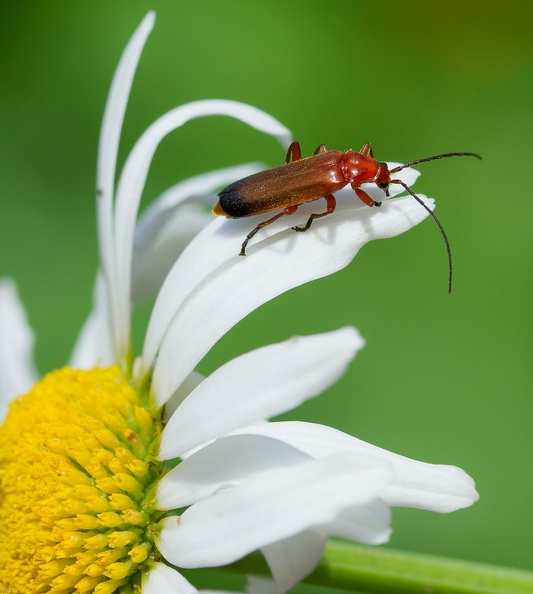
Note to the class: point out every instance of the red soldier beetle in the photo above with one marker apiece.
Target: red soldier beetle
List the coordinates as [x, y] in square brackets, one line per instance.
[305, 180]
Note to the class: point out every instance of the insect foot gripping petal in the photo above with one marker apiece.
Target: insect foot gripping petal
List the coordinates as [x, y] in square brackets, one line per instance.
[331, 204]
[287, 211]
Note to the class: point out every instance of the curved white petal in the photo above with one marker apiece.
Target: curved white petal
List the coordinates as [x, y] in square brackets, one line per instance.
[192, 381]
[162, 579]
[171, 221]
[194, 189]
[368, 524]
[134, 173]
[95, 345]
[437, 488]
[106, 167]
[294, 558]
[198, 302]
[258, 385]
[17, 367]
[433, 487]
[152, 263]
[256, 584]
[273, 506]
[222, 464]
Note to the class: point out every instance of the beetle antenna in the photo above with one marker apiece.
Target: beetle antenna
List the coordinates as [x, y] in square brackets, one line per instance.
[425, 159]
[438, 223]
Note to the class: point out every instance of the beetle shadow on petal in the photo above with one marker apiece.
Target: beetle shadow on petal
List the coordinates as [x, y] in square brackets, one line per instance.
[282, 230]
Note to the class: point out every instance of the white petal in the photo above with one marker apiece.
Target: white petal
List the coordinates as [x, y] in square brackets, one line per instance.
[17, 367]
[368, 524]
[294, 558]
[106, 167]
[135, 171]
[193, 190]
[162, 579]
[171, 221]
[256, 584]
[263, 383]
[234, 522]
[433, 487]
[222, 464]
[192, 381]
[152, 263]
[95, 345]
[198, 302]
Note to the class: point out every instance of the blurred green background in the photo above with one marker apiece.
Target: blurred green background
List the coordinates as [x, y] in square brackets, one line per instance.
[443, 378]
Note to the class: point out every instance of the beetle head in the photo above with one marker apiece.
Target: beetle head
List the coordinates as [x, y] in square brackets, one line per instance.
[382, 178]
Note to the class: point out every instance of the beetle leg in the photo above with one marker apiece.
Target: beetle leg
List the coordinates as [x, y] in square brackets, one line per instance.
[330, 203]
[289, 210]
[365, 197]
[321, 148]
[366, 150]
[294, 153]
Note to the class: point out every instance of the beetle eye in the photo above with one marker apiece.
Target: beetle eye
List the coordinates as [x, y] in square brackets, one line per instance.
[384, 185]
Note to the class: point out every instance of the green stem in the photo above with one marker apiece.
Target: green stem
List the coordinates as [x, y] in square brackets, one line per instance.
[385, 571]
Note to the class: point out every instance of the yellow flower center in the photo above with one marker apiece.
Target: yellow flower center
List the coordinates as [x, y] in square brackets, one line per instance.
[77, 482]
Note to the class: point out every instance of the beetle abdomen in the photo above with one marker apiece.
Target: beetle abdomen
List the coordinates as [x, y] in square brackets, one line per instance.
[282, 187]
[232, 203]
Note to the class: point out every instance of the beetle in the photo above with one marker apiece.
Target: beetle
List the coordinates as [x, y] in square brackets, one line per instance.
[302, 180]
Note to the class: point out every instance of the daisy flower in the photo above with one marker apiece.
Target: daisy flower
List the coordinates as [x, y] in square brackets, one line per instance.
[117, 471]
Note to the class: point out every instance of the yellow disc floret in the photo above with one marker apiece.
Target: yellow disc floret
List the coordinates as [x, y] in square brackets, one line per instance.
[77, 481]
